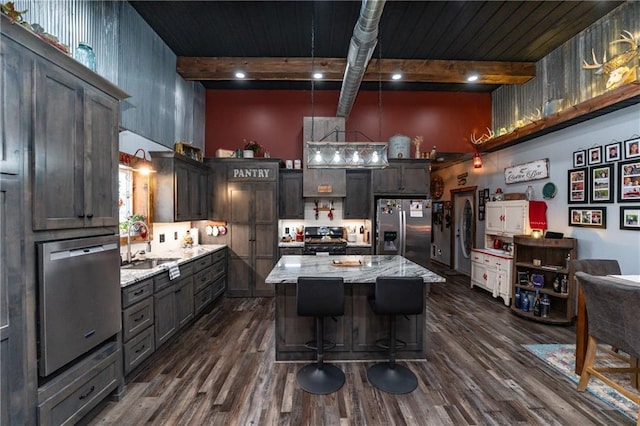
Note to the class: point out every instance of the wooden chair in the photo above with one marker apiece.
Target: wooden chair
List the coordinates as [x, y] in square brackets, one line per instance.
[613, 311]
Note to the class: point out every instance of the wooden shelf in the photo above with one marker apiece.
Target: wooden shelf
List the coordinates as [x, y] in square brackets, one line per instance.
[543, 290]
[610, 101]
[552, 319]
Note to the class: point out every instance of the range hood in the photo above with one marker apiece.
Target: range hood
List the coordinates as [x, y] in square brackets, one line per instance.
[322, 183]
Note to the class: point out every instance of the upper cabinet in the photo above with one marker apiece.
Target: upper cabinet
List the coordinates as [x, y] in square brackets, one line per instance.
[507, 218]
[358, 202]
[291, 203]
[402, 177]
[75, 180]
[181, 188]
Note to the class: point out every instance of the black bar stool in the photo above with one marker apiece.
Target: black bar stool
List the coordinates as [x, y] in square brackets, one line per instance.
[395, 296]
[320, 297]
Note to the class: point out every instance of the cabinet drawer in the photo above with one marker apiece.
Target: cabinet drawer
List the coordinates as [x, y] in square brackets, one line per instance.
[358, 250]
[162, 280]
[86, 385]
[136, 318]
[203, 298]
[202, 279]
[218, 255]
[218, 269]
[202, 262]
[136, 292]
[477, 257]
[138, 349]
[290, 251]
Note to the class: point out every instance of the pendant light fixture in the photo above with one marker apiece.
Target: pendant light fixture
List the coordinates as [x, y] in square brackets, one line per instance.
[477, 160]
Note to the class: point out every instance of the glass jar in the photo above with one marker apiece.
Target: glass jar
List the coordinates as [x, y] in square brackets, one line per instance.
[529, 193]
[85, 55]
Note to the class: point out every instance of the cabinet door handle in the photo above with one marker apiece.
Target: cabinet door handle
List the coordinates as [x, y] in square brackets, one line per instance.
[139, 318]
[90, 215]
[141, 349]
[83, 396]
[139, 292]
[81, 216]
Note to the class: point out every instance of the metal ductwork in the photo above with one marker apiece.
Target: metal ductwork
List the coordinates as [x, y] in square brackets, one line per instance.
[361, 47]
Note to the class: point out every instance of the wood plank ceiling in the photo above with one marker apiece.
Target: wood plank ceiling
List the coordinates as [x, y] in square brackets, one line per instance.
[435, 44]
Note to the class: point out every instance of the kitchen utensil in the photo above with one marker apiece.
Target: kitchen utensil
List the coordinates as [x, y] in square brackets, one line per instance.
[497, 244]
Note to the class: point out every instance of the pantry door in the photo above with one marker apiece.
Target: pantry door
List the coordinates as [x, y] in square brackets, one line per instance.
[464, 226]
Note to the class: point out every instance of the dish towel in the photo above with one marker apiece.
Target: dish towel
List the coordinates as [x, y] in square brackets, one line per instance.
[538, 214]
[174, 270]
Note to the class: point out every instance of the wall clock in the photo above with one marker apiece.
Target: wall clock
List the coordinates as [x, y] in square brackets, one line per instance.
[437, 187]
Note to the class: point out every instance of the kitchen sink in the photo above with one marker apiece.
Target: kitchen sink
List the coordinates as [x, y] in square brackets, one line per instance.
[148, 263]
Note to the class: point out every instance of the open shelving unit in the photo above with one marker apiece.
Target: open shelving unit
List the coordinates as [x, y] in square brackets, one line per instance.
[552, 254]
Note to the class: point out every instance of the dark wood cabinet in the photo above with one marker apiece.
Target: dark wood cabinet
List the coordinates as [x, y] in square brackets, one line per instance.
[290, 251]
[291, 202]
[252, 228]
[358, 250]
[402, 177]
[552, 254]
[75, 152]
[358, 202]
[180, 188]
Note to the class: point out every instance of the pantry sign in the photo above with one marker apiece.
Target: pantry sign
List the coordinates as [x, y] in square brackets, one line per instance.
[534, 170]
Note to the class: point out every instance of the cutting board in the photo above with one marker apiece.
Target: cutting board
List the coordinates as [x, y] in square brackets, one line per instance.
[346, 263]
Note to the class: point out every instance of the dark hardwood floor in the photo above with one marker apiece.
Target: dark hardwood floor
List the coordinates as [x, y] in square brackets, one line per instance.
[221, 372]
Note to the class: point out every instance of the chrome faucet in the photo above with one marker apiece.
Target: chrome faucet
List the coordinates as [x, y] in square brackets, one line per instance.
[131, 225]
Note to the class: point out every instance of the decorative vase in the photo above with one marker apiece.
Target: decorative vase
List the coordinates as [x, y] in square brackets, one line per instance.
[247, 153]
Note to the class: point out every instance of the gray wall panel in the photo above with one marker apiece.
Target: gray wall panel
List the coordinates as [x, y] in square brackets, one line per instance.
[147, 71]
[560, 74]
[73, 21]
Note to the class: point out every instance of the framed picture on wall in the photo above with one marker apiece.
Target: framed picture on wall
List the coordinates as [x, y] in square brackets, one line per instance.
[632, 148]
[602, 182]
[578, 186]
[594, 155]
[630, 218]
[629, 181]
[578, 159]
[612, 152]
[591, 217]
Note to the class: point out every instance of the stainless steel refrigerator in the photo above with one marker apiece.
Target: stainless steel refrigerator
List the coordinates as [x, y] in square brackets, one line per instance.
[403, 226]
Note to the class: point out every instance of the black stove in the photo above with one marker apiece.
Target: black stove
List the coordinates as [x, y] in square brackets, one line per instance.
[324, 240]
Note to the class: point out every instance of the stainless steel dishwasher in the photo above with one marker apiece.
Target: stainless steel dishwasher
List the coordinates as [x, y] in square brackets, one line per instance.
[79, 298]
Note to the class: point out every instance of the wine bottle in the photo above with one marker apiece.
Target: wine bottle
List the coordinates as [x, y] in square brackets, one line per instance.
[564, 287]
[546, 306]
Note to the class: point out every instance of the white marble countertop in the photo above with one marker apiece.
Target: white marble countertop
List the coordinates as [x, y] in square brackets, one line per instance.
[132, 276]
[289, 268]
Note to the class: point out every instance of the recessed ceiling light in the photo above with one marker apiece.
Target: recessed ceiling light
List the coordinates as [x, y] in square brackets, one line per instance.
[396, 76]
[240, 74]
[317, 75]
[472, 77]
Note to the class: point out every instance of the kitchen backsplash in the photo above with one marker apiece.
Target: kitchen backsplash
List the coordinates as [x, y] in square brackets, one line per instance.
[172, 233]
[323, 218]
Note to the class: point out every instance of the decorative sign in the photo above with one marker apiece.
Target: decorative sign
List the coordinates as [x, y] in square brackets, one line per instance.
[248, 173]
[325, 189]
[534, 170]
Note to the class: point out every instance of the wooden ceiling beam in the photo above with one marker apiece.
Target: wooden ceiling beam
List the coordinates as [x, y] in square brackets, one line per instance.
[300, 69]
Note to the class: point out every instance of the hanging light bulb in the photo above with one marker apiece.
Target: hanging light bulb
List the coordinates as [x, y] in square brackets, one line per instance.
[336, 157]
[477, 160]
[374, 157]
[318, 157]
[356, 157]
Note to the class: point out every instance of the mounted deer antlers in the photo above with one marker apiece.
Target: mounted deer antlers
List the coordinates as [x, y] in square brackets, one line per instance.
[482, 139]
[616, 67]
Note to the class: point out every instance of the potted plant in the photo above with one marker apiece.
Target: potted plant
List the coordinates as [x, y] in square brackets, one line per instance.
[251, 149]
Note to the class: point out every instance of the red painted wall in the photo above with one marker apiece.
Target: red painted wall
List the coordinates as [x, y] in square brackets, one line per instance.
[273, 118]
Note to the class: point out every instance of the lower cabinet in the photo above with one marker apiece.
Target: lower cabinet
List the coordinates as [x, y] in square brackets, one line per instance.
[289, 251]
[492, 273]
[173, 308]
[155, 309]
[358, 250]
[70, 396]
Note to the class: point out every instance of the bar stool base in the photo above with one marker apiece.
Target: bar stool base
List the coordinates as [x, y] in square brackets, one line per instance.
[320, 381]
[396, 380]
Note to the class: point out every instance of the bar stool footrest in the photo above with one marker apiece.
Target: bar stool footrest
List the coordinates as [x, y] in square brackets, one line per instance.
[384, 343]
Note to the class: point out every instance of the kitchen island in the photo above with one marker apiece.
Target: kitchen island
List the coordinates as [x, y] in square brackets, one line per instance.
[355, 334]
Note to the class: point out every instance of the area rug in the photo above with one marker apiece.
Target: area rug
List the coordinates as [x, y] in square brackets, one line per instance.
[562, 359]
